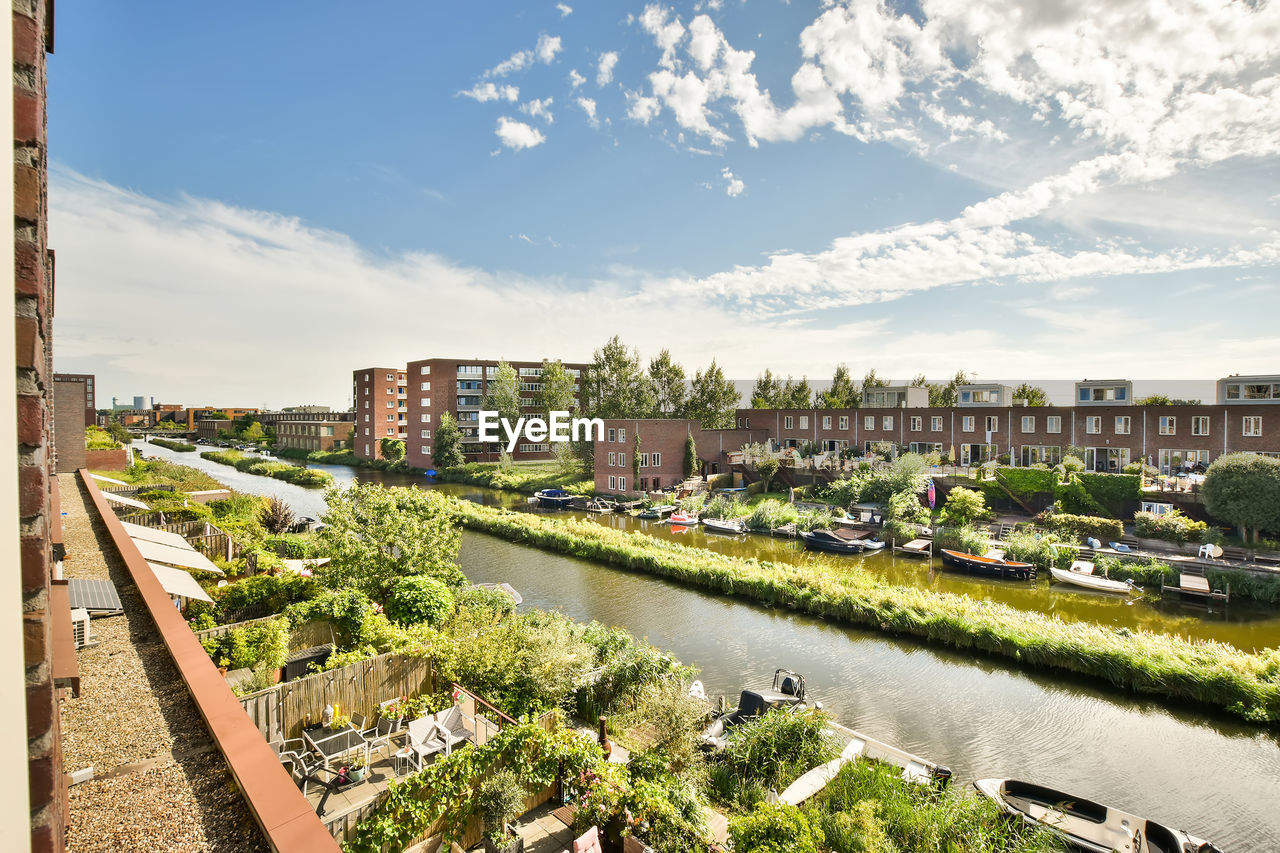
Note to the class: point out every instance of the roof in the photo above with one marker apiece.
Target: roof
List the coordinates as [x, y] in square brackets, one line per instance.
[188, 557]
[178, 583]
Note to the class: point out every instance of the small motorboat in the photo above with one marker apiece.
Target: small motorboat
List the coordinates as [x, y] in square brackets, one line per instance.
[720, 525]
[873, 544]
[859, 746]
[684, 519]
[656, 511]
[842, 541]
[553, 498]
[989, 566]
[787, 693]
[1089, 826]
[1081, 574]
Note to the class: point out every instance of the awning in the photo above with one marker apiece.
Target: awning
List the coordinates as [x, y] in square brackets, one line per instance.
[162, 537]
[108, 480]
[179, 584]
[188, 557]
[121, 499]
[304, 567]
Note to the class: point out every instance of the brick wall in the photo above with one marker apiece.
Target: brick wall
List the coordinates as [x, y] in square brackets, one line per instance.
[667, 439]
[106, 460]
[68, 425]
[33, 326]
[372, 391]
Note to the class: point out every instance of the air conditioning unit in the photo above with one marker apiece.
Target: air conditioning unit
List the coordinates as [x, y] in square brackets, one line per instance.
[80, 628]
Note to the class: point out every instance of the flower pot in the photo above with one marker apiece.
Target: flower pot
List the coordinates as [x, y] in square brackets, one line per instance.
[512, 844]
[356, 774]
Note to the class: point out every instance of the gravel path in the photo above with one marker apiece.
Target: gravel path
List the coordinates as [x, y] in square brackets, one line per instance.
[166, 787]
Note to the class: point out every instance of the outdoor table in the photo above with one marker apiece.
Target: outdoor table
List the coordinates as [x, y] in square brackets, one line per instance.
[404, 761]
[334, 746]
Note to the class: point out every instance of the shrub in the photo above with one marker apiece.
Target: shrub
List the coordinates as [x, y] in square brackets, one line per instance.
[265, 593]
[775, 828]
[265, 644]
[499, 800]
[779, 747]
[419, 598]
[726, 507]
[179, 446]
[1072, 464]
[1113, 491]
[1038, 550]
[963, 538]
[767, 469]
[771, 513]
[97, 438]
[276, 516]
[1171, 526]
[1243, 489]
[964, 505]
[493, 601]
[1025, 482]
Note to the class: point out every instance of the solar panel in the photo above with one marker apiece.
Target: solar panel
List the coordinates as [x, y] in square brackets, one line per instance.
[98, 597]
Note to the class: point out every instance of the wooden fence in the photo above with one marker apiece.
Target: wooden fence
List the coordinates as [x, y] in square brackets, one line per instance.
[203, 536]
[219, 630]
[282, 710]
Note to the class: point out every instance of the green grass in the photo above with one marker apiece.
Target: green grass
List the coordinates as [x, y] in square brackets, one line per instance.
[524, 477]
[1206, 673]
[179, 446]
[269, 468]
[161, 473]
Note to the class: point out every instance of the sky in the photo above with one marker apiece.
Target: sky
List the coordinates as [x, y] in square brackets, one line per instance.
[248, 202]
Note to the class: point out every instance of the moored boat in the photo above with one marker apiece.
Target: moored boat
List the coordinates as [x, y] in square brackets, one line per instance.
[684, 519]
[859, 746]
[1089, 826]
[553, 498]
[720, 525]
[994, 567]
[787, 693]
[656, 511]
[1086, 580]
[841, 541]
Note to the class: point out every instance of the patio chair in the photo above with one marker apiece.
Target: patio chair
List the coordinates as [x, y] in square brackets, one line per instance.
[302, 763]
[425, 739]
[454, 729]
[589, 842]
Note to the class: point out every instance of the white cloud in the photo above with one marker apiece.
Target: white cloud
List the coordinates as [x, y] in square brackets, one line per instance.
[666, 29]
[733, 185]
[604, 71]
[588, 106]
[575, 79]
[565, 10]
[517, 135]
[548, 47]
[642, 108]
[484, 92]
[518, 61]
[538, 109]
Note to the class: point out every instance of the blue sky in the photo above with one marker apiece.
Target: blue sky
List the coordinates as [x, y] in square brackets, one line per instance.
[1016, 189]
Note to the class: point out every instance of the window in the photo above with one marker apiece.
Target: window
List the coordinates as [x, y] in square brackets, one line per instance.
[390, 431]
[391, 377]
[1028, 423]
[389, 392]
[622, 460]
[366, 391]
[1200, 425]
[993, 423]
[887, 422]
[425, 450]
[613, 435]
[917, 423]
[613, 483]
[366, 447]
[787, 422]
[426, 433]
[869, 422]
[426, 386]
[391, 419]
[426, 417]
[391, 404]
[366, 418]
[1093, 425]
[935, 424]
[425, 370]
[1053, 423]
[1122, 425]
[1168, 425]
[804, 422]
[622, 484]
[656, 458]
[745, 421]
[613, 459]
[622, 435]
[966, 423]
[642, 460]
[1253, 426]
[843, 422]
[826, 421]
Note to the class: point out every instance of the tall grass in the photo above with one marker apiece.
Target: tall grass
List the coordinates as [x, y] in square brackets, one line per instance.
[1208, 673]
[269, 468]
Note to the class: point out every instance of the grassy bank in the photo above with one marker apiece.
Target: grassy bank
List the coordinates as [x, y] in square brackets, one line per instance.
[345, 457]
[1207, 673]
[179, 446]
[524, 477]
[269, 468]
[161, 473]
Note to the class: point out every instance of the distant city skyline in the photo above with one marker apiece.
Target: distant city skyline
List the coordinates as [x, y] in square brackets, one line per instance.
[989, 186]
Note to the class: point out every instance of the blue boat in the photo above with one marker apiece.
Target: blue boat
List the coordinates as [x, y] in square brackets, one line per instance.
[553, 498]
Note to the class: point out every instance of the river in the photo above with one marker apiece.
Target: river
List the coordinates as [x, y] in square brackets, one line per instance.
[1209, 774]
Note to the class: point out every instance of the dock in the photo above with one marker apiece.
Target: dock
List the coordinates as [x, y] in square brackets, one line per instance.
[1193, 583]
[786, 531]
[916, 547]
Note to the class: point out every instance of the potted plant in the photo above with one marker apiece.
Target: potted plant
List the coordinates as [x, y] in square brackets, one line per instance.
[340, 722]
[355, 768]
[500, 800]
[394, 710]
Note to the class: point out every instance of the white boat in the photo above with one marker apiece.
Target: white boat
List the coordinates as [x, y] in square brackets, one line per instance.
[914, 768]
[718, 525]
[1089, 826]
[873, 544]
[1080, 574]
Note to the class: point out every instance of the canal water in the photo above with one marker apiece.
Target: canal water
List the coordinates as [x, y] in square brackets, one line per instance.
[1209, 774]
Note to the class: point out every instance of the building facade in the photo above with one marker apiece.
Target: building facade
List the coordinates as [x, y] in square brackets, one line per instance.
[85, 381]
[639, 455]
[381, 405]
[315, 432]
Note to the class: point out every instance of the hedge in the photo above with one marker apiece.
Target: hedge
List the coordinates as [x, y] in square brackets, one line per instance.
[1113, 491]
[1081, 527]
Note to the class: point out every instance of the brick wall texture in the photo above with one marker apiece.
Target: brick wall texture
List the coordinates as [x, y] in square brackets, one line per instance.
[68, 426]
[33, 324]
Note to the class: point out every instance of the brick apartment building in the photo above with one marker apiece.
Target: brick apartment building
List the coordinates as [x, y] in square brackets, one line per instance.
[380, 408]
[311, 430]
[661, 452]
[77, 385]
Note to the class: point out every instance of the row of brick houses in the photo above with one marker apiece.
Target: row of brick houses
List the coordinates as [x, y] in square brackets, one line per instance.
[427, 388]
[1109, 431]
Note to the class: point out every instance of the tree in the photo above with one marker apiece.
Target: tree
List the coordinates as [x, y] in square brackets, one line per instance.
[419, 598]
[276, 516]
[873, 381]
[842, 394]
[558, 392]
[1164, 400]
[965, 505]
[502, 393]
[767, 393]
[1033, 394]
[796, 395]
[447, 452]
[667, 379]
[904, 515]
[253, 432]
[392, 449]
[690, 456]
[713, 399]
[1244, 489]
[616, 387]
[376, 536]
[635, 461]
[944, 395]
[767, 468]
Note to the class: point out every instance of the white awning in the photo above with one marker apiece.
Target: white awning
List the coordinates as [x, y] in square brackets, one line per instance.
[162, 537]
[304, 567]
[188, 558]
[121, 499]
[108, 480]
[179, 584]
